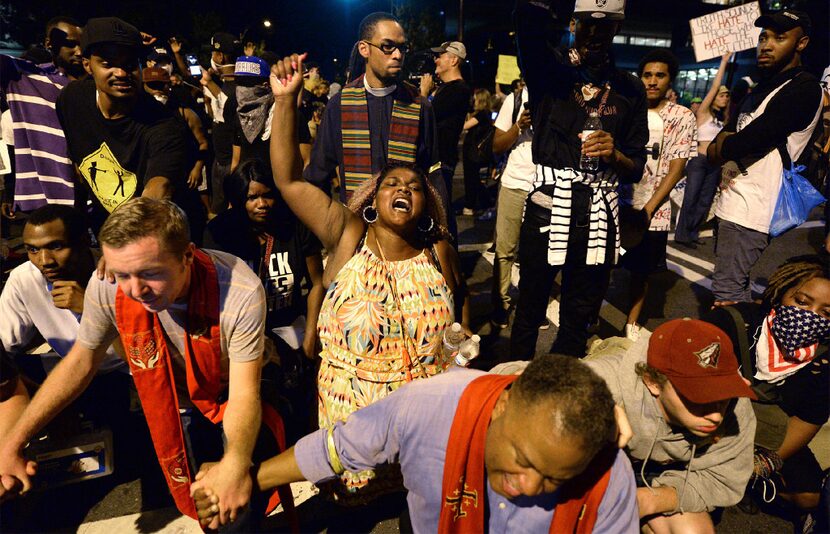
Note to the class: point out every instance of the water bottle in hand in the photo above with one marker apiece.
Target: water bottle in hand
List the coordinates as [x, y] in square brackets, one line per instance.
[588, 163]
[453, 338]
[469, 350]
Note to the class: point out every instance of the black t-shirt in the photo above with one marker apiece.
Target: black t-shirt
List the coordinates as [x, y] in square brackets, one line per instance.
[117, 157]
[284, 276]
[804, 394]
[223, 132]
[450, 104]
[261, 149]
[477, 135]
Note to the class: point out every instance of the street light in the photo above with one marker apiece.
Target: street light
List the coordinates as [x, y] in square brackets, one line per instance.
[266, 23]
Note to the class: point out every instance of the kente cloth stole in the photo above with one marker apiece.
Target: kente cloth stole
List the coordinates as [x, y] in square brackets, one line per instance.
[150, 364]
[464, 487]
[357, 149]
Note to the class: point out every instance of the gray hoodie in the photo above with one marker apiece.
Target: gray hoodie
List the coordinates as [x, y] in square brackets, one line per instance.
[716, 474]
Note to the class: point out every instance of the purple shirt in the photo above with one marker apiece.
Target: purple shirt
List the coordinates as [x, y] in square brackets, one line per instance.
[44, 173]
[411, 426]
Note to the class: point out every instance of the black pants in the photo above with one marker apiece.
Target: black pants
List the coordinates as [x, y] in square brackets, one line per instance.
[205, 442]
[447, 173]
[583, 286]
[472, 184]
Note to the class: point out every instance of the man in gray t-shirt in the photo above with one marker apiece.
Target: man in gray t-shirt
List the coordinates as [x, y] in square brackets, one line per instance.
[160, 275]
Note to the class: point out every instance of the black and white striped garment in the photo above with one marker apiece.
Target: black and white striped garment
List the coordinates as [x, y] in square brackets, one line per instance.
[604, 203]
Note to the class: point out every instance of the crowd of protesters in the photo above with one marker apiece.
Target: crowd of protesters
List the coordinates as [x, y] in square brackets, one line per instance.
[236, 243]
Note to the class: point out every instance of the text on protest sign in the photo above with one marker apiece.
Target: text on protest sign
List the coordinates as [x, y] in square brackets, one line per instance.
[729, 30]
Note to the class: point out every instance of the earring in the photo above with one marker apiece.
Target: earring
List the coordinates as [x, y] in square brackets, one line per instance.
[426, 224]
[370, 214]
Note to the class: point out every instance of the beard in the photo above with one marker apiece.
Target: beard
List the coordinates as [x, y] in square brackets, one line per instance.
[74, 70]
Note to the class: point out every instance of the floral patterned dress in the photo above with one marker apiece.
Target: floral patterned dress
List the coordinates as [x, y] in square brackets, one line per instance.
[381, 325]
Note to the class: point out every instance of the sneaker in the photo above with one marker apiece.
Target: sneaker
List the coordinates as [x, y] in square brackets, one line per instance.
[632, 331]
[468, 211]
[488, 215]
[499, 319]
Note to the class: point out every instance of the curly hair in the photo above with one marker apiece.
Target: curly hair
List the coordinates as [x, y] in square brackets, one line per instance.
[660, 55]
[794, 272]
[365, 195]
[644, 370]
[583, 405]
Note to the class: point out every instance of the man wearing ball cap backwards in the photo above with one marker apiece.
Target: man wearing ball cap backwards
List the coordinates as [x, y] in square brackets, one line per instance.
[692, 420]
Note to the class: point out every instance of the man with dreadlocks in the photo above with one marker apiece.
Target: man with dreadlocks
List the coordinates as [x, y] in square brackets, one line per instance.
[777, 342]
[376, 120]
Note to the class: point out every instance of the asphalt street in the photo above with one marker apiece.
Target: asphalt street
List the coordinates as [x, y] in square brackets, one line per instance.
[122, 503]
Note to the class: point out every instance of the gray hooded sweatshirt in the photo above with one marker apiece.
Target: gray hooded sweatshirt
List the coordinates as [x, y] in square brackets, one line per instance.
[716, 473]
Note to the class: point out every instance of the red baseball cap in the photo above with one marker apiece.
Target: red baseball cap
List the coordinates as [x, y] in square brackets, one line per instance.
[698, 359]
[154, 74]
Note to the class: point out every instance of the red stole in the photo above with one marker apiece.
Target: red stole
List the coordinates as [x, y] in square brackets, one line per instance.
[464, 486]
[150, 363]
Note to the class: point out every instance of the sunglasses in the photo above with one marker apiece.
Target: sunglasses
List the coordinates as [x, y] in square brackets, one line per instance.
[389, 48]
[157, 86]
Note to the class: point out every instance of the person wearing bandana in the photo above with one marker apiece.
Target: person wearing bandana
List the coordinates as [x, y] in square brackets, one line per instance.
[377, 119]
[778, 342]
[254, 109]
[571, 216]
[481, 453]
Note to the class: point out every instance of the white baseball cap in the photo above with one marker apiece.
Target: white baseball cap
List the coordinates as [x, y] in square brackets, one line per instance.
[600, 9]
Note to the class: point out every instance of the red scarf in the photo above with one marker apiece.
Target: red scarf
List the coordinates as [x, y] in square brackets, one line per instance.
[464, 486]
[150, 363]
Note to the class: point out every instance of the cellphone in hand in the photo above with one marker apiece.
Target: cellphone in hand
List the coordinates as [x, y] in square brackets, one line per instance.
[193, 65]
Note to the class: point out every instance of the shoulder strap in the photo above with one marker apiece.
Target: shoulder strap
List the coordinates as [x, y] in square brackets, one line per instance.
[517, 106]
[743, 341]
[434, 257]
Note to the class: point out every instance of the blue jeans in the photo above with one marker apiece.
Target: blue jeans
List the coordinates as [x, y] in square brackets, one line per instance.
[701, 184]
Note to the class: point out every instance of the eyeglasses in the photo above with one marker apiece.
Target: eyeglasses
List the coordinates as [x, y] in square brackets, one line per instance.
[388, 48]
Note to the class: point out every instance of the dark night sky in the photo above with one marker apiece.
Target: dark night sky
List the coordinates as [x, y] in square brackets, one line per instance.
[327, 28]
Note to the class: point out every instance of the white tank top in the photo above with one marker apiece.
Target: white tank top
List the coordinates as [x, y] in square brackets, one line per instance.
[709, 129]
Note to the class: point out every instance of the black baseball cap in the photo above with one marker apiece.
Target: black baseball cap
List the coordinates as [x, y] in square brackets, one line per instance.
[785, 20]
[109, 30]
[159, 54]
[224, 42]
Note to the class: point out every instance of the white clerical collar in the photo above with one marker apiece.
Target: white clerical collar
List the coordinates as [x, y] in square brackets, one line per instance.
[379, 91]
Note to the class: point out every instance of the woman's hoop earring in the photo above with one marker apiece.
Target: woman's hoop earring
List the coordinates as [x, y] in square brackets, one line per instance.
[370, 214]
[426, 224]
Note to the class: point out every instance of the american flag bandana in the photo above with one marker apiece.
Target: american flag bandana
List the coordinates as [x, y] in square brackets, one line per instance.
[789, 340]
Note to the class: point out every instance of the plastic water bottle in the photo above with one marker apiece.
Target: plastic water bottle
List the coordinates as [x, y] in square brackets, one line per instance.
[588, 163]
[469, 350]
[453, 338]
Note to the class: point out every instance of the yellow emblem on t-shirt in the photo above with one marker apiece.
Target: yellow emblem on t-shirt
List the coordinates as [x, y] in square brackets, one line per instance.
[111, 183]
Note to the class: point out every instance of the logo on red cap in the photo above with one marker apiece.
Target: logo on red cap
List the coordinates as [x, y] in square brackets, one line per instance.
[709, 355]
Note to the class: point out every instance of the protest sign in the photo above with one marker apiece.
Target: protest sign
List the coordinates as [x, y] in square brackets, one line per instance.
[508, 70]
[729, 30]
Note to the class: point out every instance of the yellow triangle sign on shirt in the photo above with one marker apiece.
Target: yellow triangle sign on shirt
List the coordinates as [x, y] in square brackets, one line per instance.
[111, 183]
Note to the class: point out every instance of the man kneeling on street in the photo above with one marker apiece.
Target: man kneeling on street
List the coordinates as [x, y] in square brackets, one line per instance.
[480, 452]
[693, 424]
[192, 323]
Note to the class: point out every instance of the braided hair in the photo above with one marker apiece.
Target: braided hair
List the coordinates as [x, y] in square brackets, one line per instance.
[365, 195]
[794, 272]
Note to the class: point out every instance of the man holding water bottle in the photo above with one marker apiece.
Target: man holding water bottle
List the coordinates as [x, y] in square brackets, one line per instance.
[571, 215]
